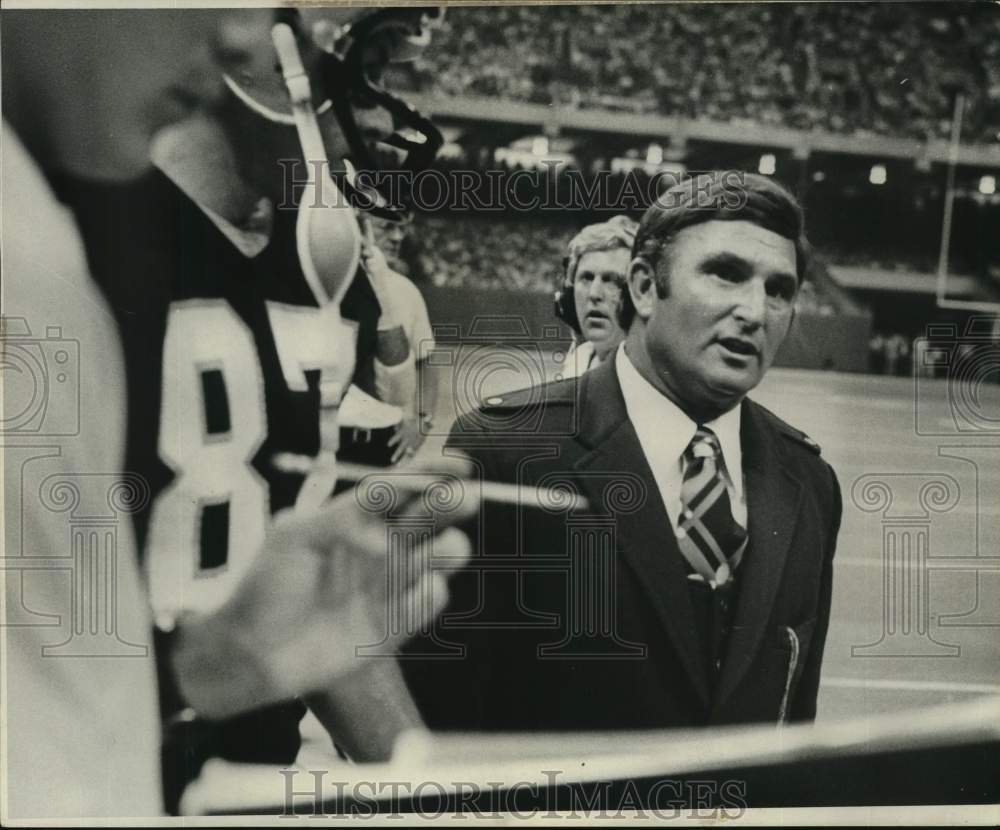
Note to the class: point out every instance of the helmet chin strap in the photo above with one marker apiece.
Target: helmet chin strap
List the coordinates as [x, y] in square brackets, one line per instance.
[328, 236]
[328, 240]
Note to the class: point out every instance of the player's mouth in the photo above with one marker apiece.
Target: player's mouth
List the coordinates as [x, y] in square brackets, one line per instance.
[175, 104]
[597, 318]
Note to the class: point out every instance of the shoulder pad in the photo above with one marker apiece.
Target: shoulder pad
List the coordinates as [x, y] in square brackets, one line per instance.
[561, 392]
[790, 432]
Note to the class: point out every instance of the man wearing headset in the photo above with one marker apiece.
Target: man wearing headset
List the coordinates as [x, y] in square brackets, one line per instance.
[590, 297]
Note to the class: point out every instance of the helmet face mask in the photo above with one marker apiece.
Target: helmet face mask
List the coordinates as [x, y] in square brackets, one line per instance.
[351, 73]
[346, 52]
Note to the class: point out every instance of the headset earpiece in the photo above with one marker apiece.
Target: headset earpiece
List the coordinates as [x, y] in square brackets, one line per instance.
[565, 308]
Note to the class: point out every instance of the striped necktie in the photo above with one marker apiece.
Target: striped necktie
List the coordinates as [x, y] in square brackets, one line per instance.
[709, 537]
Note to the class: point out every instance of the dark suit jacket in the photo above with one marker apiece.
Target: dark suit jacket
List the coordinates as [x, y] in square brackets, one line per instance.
[584, 619]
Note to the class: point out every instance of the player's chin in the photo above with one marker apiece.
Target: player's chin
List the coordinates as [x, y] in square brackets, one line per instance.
[128, 159]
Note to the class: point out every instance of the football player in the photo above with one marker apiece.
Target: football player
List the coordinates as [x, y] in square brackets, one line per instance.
[80, 735]
[419, 408]
[226, 343]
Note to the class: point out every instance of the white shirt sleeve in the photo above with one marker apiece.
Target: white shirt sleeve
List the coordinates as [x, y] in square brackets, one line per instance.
[80, 722]
[422, 340]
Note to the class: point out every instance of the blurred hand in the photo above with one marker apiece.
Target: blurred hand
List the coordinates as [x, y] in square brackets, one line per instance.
[380, 275]
[317, 592]
[407, 440]
[377, 266]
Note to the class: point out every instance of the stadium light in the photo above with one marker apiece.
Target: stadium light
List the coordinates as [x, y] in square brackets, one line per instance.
[767, 165]
[988, 185]
[540, 146]
[877, 175]
[654, 155]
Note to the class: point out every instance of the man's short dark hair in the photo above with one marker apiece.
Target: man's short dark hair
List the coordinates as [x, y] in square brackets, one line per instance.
[729, 195]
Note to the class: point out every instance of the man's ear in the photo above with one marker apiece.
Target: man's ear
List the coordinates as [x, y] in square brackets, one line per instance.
[641, 286]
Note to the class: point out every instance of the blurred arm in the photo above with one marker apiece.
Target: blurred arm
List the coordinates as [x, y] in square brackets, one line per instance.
[367, 710]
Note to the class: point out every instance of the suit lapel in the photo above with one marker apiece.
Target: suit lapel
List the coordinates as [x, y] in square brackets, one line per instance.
[646, 539]
[773, 497]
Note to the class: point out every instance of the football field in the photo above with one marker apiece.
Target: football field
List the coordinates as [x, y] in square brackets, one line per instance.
[916, 610]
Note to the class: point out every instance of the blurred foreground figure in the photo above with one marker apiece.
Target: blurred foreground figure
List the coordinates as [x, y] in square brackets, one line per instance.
[81, 732]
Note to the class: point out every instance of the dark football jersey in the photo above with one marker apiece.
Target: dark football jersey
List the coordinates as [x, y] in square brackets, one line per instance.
[220, 353]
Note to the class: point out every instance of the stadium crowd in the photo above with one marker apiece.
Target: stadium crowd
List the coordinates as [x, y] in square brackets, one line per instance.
[889, 354]
[840, 67]
[512, 254]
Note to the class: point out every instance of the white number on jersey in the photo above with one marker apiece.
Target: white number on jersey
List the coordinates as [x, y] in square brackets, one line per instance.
[217, 499]
[208, 524]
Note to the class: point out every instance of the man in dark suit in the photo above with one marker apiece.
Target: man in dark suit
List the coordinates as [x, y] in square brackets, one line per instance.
[695, 588]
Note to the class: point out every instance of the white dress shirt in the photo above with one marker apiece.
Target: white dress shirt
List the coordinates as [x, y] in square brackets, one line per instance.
[580, 357]
[664, 433]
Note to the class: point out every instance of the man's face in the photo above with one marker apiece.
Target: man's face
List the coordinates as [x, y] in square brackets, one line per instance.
[597, 292]
[731, 289]
[388, 235]
[131, 72]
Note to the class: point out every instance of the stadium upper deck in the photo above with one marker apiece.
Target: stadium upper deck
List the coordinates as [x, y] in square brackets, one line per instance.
[852, 69]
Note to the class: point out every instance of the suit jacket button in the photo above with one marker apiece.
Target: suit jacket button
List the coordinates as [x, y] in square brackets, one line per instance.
[718, 664]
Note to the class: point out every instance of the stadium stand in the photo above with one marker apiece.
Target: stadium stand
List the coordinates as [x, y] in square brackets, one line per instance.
[830, 93]
[514, 255]
[479, 252]
[852, 69]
